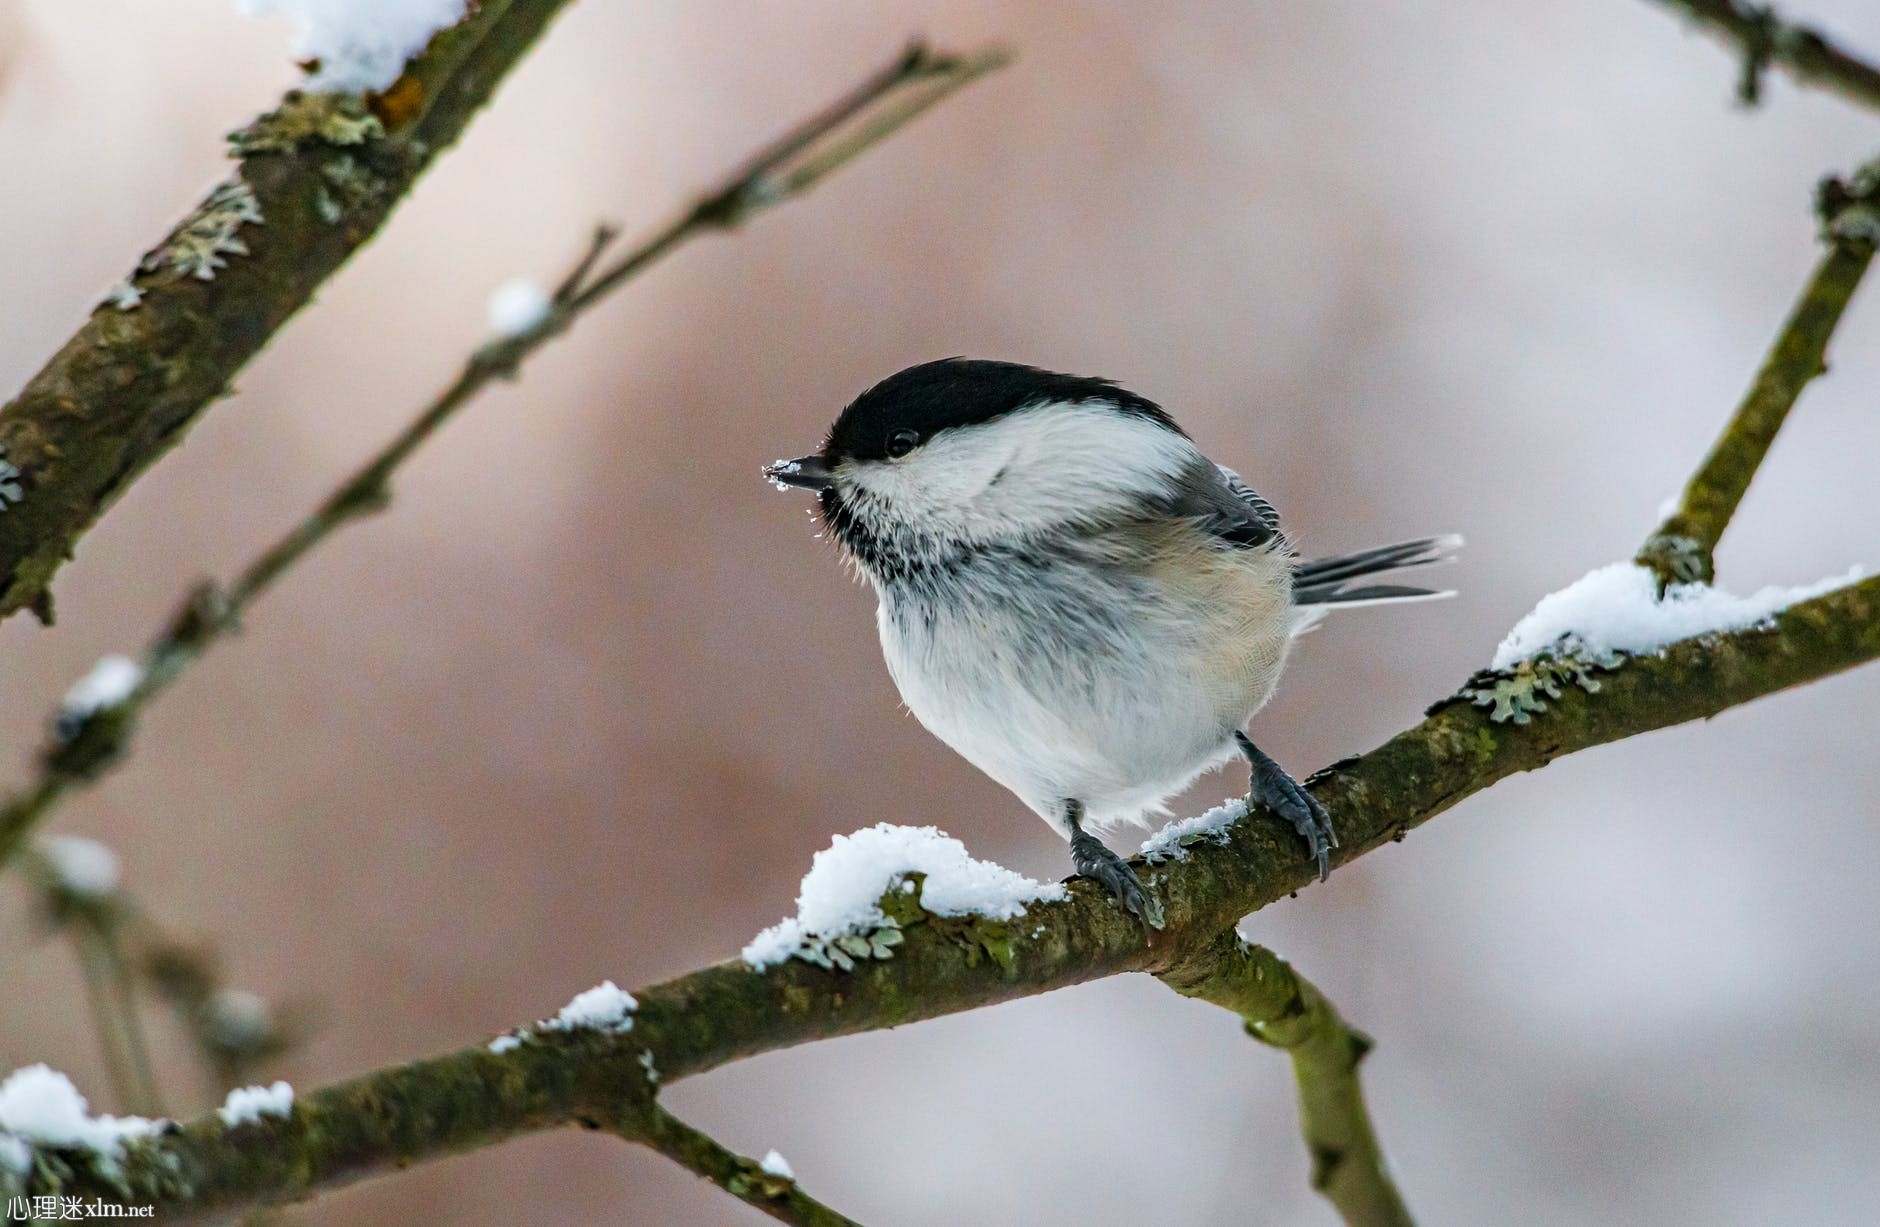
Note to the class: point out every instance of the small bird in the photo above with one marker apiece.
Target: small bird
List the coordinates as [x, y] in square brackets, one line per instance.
[1073, 597]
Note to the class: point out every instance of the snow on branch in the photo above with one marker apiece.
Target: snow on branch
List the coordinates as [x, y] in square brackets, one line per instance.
[838, 911]
[1618, 609]
[359, 44]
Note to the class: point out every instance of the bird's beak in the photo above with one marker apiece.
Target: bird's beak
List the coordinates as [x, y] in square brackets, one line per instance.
[805, 473]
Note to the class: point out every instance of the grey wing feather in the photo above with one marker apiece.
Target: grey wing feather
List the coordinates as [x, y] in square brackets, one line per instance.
[1227, 507]
[1262, 510]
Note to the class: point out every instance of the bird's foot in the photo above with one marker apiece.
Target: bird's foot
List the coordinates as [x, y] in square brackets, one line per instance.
[1094, 860]
[1289, 799]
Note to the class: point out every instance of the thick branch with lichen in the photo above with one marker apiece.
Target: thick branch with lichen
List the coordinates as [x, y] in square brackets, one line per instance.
[1682, 549]
[787, 168]
[1280, 1007]
[475, 1097]
[1761, 38]
[315, 180]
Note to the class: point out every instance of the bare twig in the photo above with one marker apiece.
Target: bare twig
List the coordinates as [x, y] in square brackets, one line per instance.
[119, 944]
[88, 914]
[782, 171]
[1279, 1007]
[114, 1026]
[1682, 549]
[1761, 39]
[147, 1100]
[774, 1194]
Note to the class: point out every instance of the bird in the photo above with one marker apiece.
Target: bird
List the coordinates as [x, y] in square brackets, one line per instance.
[1074, 597]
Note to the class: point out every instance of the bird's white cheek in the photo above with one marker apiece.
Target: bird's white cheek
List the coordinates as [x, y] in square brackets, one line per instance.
[935, 484]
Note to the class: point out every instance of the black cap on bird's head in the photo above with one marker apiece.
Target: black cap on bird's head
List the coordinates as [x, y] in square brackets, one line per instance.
[910, 407]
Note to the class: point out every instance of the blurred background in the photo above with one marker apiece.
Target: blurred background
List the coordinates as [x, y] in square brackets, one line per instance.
[585, 701]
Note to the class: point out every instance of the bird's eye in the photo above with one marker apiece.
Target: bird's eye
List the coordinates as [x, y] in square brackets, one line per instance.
[901, 442]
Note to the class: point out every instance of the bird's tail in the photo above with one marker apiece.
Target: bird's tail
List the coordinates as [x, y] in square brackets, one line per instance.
[1329, 581]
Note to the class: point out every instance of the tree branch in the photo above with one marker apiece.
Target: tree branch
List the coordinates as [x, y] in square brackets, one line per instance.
[788, 168]
[1683, 547]
[475, 1097]
[315, 179]
[1761, 39]
[1280, 1007]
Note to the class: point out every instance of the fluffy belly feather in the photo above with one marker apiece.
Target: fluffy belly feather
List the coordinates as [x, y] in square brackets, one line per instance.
[1109, 685]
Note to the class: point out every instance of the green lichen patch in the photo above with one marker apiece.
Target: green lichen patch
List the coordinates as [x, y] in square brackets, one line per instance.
[1177, 849]
[843, 951]
[302, 119]
[978, 937]
[1517, 695]
[126, 295]
[1678, 559]
[1850, 208]
[10, 489]
[346, 183]
[197, 247]
[751, 1180]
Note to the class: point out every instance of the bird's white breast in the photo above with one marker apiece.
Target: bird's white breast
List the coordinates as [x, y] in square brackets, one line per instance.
[1113, 673]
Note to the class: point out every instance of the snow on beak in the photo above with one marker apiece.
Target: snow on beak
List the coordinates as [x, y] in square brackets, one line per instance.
[804, 473]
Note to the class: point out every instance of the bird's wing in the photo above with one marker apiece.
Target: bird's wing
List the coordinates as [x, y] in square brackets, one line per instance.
[1227, 507]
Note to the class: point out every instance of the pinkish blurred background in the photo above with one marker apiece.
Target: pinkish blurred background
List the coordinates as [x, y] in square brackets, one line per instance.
[583, 704]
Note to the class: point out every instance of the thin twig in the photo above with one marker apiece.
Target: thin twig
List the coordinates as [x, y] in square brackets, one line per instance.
[1280, 1007]
[1761, 39]
[101, 998]
[1682, 549]
[775, 1195]
[148, 1100]
[231, 1031]
[877, 110]
[90, 918]
[802, 158]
